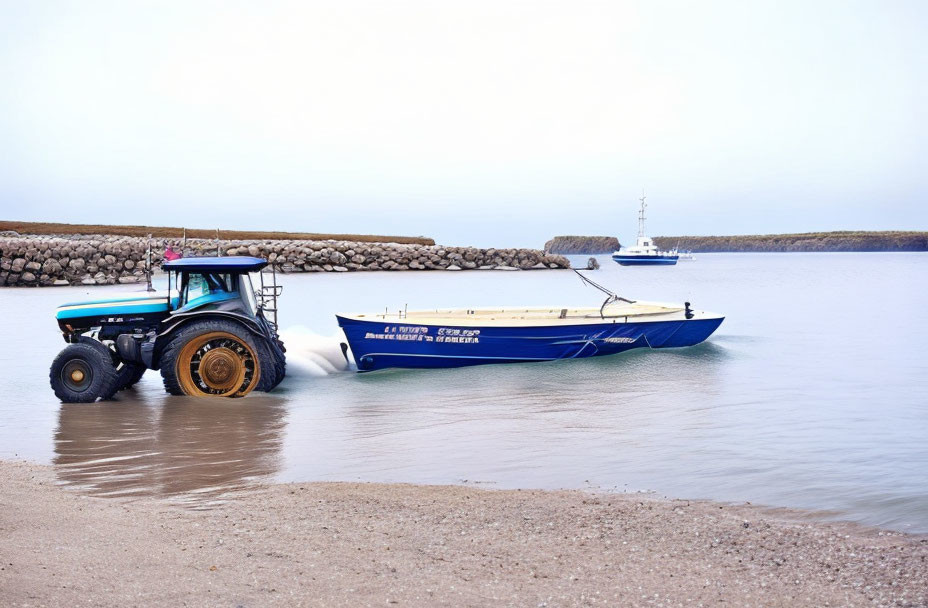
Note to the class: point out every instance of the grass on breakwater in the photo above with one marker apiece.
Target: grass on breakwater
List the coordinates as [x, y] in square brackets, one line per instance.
[197, 233]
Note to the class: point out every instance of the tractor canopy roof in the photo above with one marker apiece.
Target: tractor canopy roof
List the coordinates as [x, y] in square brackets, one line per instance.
[231, 263]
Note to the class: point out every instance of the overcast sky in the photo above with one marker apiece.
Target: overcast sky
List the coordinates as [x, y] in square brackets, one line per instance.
[487, 123]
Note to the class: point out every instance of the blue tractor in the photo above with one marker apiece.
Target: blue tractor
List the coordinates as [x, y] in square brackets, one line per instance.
[212, 334]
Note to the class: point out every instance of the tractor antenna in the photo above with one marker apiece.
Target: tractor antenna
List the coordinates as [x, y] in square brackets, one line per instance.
[148, 286]
[183, 248]
[217, 243]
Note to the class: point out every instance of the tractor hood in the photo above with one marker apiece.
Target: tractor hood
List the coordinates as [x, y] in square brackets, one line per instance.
[135, 305]
[119, 310]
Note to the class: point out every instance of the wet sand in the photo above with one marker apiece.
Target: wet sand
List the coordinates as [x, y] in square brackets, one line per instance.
[349, 544]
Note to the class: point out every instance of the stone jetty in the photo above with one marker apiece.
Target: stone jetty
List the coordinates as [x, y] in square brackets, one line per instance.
[45, 260]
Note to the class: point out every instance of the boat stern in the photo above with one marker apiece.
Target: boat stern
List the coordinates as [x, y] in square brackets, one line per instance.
[694, 330]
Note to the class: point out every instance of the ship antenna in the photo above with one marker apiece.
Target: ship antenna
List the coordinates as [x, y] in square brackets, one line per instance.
[641, 215]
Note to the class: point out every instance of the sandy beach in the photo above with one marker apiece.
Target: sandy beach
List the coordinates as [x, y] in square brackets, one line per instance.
[349, 544]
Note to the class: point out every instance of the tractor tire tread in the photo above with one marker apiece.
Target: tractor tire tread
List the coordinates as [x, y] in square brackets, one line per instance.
[273, 367]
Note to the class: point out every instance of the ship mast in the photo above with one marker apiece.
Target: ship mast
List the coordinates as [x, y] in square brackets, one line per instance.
[641, 216]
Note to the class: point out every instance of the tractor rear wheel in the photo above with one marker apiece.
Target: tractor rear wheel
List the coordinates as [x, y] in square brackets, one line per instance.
[83, 373]
[211, 358]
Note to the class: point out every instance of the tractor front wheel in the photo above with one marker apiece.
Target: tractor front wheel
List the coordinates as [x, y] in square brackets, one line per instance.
[83, 373]
[127, 374]
[211, 358]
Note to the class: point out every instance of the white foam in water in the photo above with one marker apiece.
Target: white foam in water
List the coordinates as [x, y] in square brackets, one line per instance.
[311, 354]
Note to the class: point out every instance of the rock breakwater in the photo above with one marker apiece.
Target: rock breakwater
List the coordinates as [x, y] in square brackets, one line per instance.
[32, 260]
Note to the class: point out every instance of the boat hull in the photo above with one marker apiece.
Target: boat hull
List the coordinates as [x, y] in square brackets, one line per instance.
[378, 344]
[645, 260]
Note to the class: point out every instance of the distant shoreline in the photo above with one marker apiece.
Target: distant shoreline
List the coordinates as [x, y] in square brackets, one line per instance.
[848, 241]
[585, 245]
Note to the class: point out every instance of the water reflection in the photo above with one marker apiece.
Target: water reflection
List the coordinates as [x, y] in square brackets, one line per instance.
[791, 403]
[194, 451]
[591, 422]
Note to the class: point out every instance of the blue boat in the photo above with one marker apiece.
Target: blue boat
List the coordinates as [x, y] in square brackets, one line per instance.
[645, 252]
[462, 337]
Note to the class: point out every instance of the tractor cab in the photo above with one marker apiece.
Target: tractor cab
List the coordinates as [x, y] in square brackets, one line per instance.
[221, 290]
[222, 283]
[214, 297]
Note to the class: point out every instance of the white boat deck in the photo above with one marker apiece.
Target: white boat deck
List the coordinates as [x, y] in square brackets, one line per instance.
[619, 312]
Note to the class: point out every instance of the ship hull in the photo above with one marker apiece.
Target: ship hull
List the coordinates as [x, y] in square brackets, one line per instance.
[384, 344]
[645, 260]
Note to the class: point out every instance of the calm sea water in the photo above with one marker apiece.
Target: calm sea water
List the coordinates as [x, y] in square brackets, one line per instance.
[813, 394]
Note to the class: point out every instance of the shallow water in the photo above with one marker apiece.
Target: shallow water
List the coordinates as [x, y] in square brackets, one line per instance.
[812, 394]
